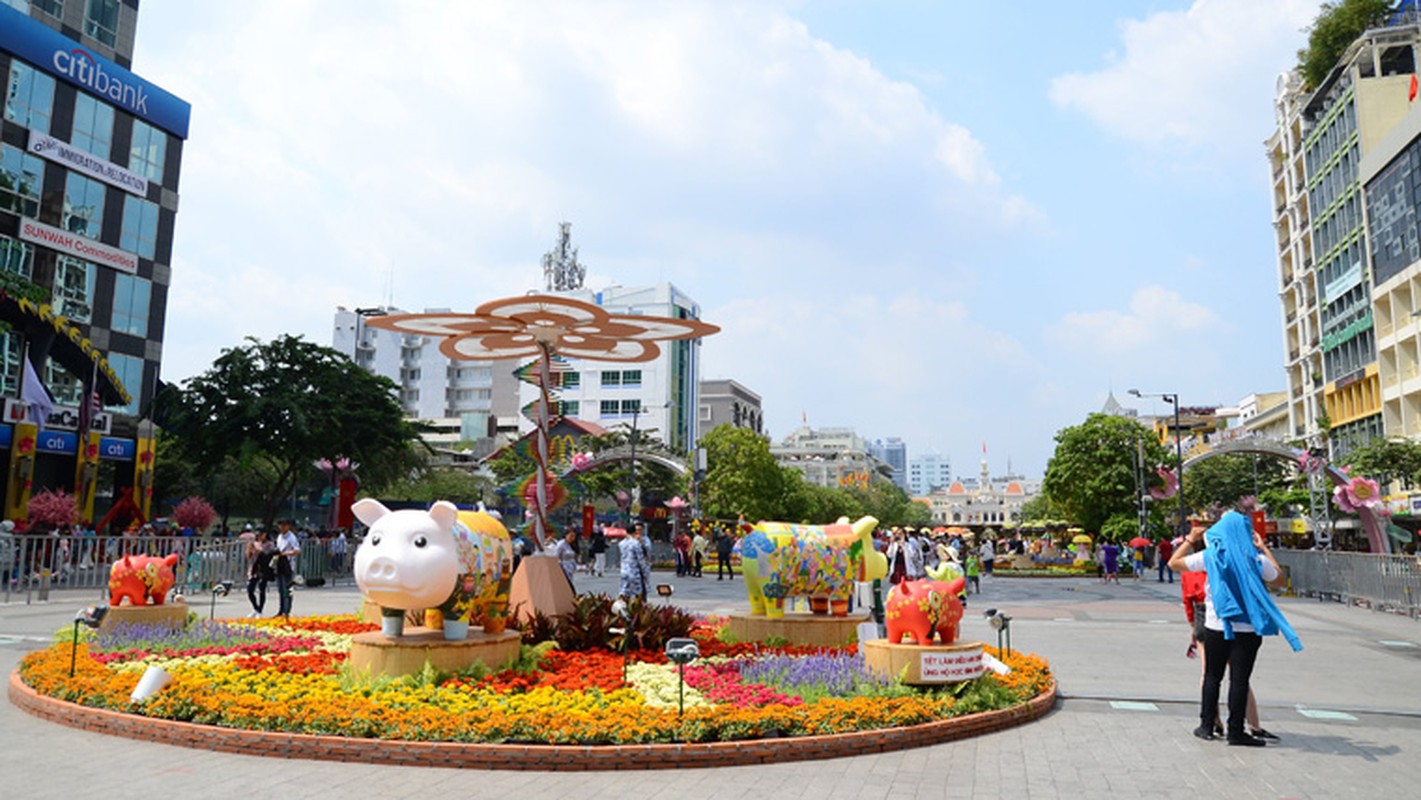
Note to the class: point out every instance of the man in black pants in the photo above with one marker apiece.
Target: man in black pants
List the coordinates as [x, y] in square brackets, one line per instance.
[724, 543]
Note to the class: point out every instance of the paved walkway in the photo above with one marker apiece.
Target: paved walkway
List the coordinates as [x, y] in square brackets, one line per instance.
[1348, 709]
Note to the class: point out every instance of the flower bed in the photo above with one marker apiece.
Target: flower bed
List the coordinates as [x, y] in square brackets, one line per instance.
[267, 675]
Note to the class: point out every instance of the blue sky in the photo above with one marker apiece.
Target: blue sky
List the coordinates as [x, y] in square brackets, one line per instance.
[953, 222]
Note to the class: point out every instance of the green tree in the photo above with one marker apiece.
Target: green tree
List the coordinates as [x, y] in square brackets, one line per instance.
[441, 483]
[1337, 25]
[1387, 460]
[275, 408]
[1091, 474]
[742, 476]
[1228, 478]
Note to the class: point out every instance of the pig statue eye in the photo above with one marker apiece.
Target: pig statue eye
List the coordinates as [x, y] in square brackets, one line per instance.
[420, 541]
[375, 539]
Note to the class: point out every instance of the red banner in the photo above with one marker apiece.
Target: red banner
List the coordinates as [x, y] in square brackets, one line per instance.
[344, 517]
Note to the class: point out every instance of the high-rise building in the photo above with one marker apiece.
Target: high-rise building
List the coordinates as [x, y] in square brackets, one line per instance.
[454, 397]
[727, 402]
[1323, 134]
[89, 166]
[661, 396]
[893, 452]
[929, 471]
[830, 457]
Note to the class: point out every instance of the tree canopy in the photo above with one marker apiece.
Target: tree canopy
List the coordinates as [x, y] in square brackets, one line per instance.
[1337, 25]
[1387, 460]
[1091, 474]
[275, 407]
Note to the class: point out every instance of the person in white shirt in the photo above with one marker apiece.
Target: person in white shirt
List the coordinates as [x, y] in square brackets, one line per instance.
[288, 547]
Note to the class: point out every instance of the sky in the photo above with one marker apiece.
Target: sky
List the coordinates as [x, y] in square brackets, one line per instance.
[958, 223]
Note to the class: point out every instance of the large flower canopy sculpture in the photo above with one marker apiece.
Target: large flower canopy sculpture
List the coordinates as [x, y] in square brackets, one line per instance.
[544, 326]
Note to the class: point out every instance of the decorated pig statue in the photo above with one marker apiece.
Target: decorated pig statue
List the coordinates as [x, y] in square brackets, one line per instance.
[457, 561]
[782, 560]
[141, 579]
[922, 608]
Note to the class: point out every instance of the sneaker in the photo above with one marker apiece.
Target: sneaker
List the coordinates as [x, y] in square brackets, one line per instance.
[1245, 740]
[1203, 732]
[1262, 734]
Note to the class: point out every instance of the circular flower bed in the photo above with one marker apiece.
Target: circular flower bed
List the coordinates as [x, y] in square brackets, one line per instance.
[271, 675]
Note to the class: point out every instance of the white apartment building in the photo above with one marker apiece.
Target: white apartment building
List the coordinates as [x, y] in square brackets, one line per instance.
[929, 471]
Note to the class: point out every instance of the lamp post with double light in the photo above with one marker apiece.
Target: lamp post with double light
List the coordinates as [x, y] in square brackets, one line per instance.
[1173, 400]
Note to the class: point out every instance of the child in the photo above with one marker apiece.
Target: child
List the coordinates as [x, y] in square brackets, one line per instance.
[974, 571]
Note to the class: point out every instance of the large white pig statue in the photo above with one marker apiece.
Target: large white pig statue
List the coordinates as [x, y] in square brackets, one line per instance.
[456, 561]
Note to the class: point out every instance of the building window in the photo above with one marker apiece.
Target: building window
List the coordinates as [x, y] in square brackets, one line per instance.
[610, 408]
[74, 288]
[140, 226]
[16, 257]
[20, 178]
[101, 21]
[130, 304]
[129, 370]
[631, 377]
[571, 380]
[83, 206]
[148, 151]
[612, 378]
[93, 126]
[568, 408]
[54, 8]
[631, 406]
[29, 99]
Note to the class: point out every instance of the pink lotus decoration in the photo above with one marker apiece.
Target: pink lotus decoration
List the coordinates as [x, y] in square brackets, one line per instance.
[676, 504]
[581, 461]
[1357, 494]
[1310, 463]
[1171, 484]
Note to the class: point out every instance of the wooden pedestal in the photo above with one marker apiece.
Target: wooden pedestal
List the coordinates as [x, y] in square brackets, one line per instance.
[930, 664]
[815, 630]
[172, 615]
[374, 653]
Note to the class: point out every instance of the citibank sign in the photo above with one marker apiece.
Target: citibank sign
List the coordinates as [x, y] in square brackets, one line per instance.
[57, 54]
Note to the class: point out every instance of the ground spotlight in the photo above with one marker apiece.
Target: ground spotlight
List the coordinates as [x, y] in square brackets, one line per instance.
[1001, 623]
[92, 616]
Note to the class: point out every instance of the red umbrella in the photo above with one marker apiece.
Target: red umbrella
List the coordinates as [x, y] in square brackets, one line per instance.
[1140, 541]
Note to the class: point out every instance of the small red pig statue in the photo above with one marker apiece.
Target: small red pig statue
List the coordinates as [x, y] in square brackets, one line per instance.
[922, 608]
[141, 579]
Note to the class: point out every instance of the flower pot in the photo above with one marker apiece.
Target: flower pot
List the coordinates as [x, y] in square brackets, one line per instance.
[495, 624]
[393, 626]
[819, 605]
[456, 630]
[433, 619]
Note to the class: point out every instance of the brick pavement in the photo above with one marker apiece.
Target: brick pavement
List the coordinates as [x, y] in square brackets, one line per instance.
[1121, 729]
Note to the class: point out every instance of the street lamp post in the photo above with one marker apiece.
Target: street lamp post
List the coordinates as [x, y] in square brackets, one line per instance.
[1173, 399]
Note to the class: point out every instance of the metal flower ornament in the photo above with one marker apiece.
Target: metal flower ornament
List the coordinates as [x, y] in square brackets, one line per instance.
[544, 326]
[1359, 493]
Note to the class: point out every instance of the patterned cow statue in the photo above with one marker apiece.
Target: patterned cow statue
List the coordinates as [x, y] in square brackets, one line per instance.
[457, 561]
[781, 560]
[922, 608]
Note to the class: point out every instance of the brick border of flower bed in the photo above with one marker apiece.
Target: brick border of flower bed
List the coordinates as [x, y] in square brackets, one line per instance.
[555, 758]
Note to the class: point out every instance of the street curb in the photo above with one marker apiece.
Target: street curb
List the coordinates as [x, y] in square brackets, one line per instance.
[553, 758]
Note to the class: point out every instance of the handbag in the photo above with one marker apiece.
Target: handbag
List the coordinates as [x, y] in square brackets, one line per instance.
[1199, 621]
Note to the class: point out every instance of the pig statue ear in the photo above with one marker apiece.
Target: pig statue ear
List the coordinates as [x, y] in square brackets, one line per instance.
[445, 514]
[369, 510]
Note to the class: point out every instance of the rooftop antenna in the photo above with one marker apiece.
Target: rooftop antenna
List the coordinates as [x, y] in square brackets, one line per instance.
[390, 286]
[561, 270]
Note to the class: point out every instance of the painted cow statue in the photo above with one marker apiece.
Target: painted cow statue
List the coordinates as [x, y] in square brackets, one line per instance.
[781, 560]
[922, 608]
[460, 562]
[142, 580]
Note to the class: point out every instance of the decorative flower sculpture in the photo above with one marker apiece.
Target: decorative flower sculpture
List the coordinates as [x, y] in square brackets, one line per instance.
[518, 327]
[581, 461]
[1310, 463]
[1357, 494]
[543, 326]
[1171, 484]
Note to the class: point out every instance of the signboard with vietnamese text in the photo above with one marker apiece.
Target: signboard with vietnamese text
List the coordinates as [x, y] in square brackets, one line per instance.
[950, 667]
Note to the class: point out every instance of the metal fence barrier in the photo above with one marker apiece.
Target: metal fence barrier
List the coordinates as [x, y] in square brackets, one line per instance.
[1380, 582]
[33, 566]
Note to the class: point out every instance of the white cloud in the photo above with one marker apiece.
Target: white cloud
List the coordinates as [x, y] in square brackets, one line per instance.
[1191, 78]
[1156, 315]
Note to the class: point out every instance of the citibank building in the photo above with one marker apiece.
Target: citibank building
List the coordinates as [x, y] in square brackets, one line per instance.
[89, 166]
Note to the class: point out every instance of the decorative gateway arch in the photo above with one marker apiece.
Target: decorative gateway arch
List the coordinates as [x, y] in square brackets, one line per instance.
[1372, 522]
[544, 326]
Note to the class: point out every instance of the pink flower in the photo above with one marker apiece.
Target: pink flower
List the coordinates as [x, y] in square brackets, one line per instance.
[1356, 494]
[1171, 484]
